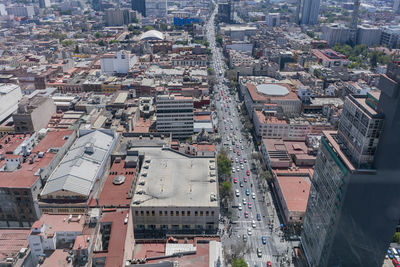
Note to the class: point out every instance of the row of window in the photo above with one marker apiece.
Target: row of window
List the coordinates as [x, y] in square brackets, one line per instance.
[173, 227]
[172, 213]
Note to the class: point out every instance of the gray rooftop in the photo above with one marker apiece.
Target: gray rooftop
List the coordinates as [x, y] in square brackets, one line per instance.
[173, 179]
[81, 165]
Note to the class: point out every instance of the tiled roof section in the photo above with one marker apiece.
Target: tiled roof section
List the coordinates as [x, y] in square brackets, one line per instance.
[12, 241]
[295, 190]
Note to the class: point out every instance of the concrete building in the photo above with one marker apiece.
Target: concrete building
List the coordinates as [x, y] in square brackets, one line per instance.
[175, 115]
[97, 5]
[330, 58]
[356, 170]
[307, 11]
[54, 231]
[117, 63]
[335, 34]
[257, 94]
[176, 193]
[22, 172]
[273, 19]
[156, 8]
[368, 35]
[44, 3]
[21, 11]
[118, 17]
[10, 94]
[139, 6]
[390, 36]
[33, 114]
[225, 12]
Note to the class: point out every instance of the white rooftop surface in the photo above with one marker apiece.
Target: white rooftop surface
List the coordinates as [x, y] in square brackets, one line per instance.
[10, 94]
[152, 34]
[272, 89]
[173, 179]
[171, 249]
[78, 169]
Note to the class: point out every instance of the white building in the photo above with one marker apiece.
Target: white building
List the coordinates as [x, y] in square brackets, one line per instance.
[335, 34]
[120, 62]
[175, 115]
[21, 11]
[10, 94]
[273, 19]
[156, 8]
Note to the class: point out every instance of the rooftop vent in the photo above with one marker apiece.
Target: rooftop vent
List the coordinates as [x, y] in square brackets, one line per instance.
[120, 179]
[89, 149]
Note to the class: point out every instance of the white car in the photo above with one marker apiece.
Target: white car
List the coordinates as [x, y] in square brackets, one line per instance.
[253, 195]
[237, 192]
[240, 207]
[253, 224]
[244, 201]
[249, 232]
[242, 167]
[238, 169]
[236, 160]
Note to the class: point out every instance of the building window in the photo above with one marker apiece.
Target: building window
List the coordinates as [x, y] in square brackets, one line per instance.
[177, 213]
[201, 213]
[183, 213]
[212, 213]
[142, 213]
[188, 213]
[160, 213]
[172, 213]
[136, 213]
[166, 213]
[207, 213]
[153, 213]
[195, 213]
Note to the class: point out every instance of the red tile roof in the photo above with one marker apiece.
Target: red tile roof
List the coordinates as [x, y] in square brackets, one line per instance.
[116, 245]
[11, 241]
[10, 142]
[295, 190]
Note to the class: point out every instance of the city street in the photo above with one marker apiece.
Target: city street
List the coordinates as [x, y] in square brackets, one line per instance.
[254, 224]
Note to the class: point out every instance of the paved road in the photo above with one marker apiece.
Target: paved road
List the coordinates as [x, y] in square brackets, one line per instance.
[230, 128]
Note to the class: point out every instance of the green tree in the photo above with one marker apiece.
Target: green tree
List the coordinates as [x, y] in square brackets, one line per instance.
[239, 263]
[219, 39]
[97, 35]
[114, 42]
[396, 237]
[225, 190]
[76, 49]
[210, 71]
[374, 60]
[102, 43]
[67, 42]
[148, 28]
[224, 165]
[310, 33]
[135, 20]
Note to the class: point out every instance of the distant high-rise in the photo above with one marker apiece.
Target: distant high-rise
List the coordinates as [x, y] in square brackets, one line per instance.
[139, 6]
[396, 6]
[97, 5]
[307, 11]
[352, 208]
[44, 3]
[354, 23]
[225, 12]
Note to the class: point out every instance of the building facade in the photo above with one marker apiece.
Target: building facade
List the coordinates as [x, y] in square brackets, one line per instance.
[175, 115]
[338, 230]
[307, 11]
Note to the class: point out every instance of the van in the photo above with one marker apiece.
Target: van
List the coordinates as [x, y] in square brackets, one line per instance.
[258, 217]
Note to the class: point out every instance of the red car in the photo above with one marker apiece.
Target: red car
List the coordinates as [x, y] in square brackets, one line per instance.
[238, 152]
[231, 159]
[248, 172]
[235, 180]
[250, 205]
[245, 179]
[269, 264]
[246, 214]
[234, 150]
[223, 117]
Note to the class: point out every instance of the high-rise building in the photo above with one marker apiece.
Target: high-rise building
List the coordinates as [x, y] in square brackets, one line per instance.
[225, 12]
[396, 6]
[352, 211]
[335, 34]
[139, 6]
[354, 23]
[97, 5]
[175, 115]
[44, 3]
[120, 62]
[156, 8]
[307, 11]
[368, 35]
[118, 17]
[21, 11]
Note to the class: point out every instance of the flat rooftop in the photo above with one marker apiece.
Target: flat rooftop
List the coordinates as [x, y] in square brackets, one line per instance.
[295, 190]
[12, 241]
[173, 179]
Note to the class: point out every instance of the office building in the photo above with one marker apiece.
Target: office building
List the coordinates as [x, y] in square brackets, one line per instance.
[139, 6]
[335, 34]
[390, 36]
[118, 17]
[156, 8]
[10, 94]
[175, 115]
[368, 35]
[396, 6]
[21, 11]
[44, 3]
[22, 170]
[97, 5]
[225, 12]
[307, 11]
[350, 218]
[33, 114]
[117, 63]
[354, 22]
[273, 19]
